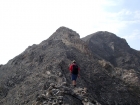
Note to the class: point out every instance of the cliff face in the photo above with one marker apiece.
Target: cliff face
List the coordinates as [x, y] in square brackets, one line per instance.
[26, 77]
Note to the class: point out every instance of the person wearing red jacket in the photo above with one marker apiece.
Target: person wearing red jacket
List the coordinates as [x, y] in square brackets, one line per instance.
[74, 70]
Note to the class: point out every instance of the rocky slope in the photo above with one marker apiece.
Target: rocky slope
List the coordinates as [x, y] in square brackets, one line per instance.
[27, 78]
[116, 50]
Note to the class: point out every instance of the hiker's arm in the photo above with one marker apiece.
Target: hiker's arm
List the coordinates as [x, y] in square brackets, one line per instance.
[70, 68]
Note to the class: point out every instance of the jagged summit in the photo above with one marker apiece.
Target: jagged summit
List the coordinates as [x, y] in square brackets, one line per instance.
[65, 33]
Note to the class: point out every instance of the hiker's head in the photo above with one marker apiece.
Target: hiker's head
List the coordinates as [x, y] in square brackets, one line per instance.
[73, 61]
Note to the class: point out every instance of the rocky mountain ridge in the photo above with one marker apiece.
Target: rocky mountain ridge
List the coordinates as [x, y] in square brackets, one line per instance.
[25, 79]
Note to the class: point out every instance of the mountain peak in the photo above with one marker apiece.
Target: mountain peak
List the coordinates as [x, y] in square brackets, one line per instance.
[65, 29]
[104, 37]
[65, 33]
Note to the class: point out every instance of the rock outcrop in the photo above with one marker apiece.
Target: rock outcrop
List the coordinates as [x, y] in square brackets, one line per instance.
[40, 75]
[57, 94]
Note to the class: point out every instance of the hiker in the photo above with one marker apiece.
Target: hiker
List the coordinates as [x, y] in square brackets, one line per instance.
[74, 70]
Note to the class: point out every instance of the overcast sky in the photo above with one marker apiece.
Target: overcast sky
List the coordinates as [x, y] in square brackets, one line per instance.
[27, 22]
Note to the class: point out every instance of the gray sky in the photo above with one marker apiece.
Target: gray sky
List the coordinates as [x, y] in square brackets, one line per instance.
[27, 22]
